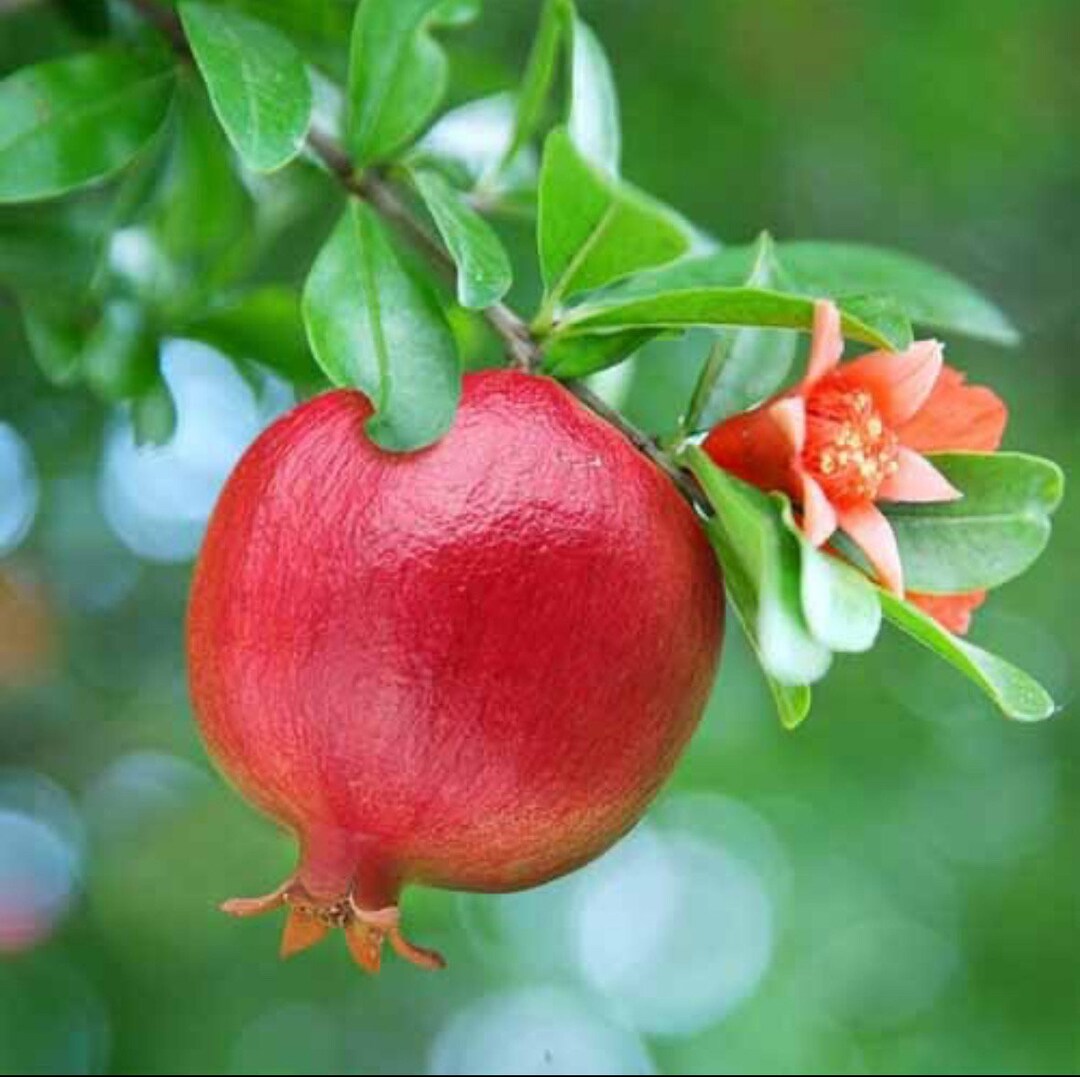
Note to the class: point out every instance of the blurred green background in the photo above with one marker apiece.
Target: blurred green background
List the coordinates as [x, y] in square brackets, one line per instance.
[892, 889]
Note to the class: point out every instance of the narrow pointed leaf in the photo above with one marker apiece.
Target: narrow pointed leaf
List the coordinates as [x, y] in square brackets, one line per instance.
[397, 72]
[990, 535]
[483, 268]
[256, 80]
[1015, 693]
[374, 327]
[555, 17]
[704, 307]
[593, 120]
[66, 123]
[929, 295]
[594, 229]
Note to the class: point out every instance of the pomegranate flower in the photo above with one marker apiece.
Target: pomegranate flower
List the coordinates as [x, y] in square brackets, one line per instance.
[848, 436]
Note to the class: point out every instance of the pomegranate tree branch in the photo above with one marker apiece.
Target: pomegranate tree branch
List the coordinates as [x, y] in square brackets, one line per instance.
[522, 347]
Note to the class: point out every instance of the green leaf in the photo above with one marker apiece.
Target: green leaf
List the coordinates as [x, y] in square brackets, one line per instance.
[202, 213]
[594, 229]
[265, 326]
[120, 359]
[884, 313]
[153, 415]
[88, 17]
[397, 73]
[55, 334]
[593, 121]
[372, 326]
[1016, 693]
[469, 141]
[706, 306]
[539, 75]
[484, 275]
[839, 603]
[929, 295]
[576, 357]
[52, 253]
[762, 562]
[885, 323]
[256, 80]
[745, 365]
[987, 537]
[69, 122]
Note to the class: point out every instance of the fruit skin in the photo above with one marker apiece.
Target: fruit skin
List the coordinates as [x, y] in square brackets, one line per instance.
[469, 667]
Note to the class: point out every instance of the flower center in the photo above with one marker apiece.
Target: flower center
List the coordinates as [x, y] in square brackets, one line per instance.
[849, 450]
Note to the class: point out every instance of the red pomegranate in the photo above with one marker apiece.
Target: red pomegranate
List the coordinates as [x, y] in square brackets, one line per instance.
[467, 667]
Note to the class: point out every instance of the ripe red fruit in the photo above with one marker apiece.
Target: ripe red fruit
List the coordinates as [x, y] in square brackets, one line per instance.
[468, 667]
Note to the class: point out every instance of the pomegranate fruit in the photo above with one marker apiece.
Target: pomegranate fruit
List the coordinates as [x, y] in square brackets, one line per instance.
[467, 667]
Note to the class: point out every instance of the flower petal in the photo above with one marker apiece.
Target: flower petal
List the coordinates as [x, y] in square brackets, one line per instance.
[826, 342]
[899, 382]
[916, 479]
[952, 611]
[789, 414]
[819, 517]
[957, 417]
[870, 531]
[757, 448]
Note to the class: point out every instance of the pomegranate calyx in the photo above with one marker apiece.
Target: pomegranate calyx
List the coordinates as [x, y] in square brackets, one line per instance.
[311, 919]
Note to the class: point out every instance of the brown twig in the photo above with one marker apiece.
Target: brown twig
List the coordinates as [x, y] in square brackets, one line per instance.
[522, 348]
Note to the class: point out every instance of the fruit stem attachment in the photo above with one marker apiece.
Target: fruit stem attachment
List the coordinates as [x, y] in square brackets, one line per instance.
[519, 342]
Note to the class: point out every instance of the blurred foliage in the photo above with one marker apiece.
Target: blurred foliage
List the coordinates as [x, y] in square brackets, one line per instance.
[892, 888]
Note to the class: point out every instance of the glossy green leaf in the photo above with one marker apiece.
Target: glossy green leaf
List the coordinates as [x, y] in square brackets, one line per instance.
[469, 141]
[1016, 693]
[883, 322]
[761, 558]
[706, 306]
[201, 212]
[987, 537]
[884, 313]
[264, 326]
[929, 295]
[120, 358]
[256, 80]
[153, 415]
[792, 702]
[69, 122]
[593, 119]
[372, 326]
[577, 357]
[397, 72]
[745, 365]
[483, 268]
[539, 76]
[594, 229]
[839, 603]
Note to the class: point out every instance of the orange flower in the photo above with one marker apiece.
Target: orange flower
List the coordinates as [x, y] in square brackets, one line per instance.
[848, 436]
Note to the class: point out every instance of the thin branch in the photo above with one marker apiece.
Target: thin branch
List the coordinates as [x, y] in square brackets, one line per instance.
[683, 480]
[521, 346]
